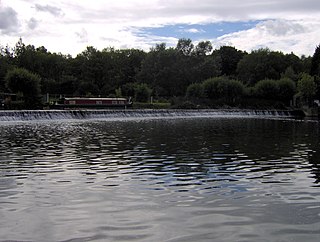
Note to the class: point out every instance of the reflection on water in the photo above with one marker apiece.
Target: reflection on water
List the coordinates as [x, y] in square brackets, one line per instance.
[220, 179]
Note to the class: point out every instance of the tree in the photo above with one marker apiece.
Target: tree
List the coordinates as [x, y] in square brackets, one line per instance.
[142, 92]
[286, 90]
[4, 67]
[222, 87]
[230, 58]
[290, 74]
[261, 64]
[315, 62]
[165, 70]
[307, 88]
[185, 46]
[194, 90]
[266, 89]
[203, 48]
[21, 80]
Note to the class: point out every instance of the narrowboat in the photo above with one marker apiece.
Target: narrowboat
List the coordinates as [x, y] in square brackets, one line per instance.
[92, 102]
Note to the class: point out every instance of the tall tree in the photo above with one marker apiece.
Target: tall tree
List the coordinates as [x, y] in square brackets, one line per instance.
[261, 64]
[315, 62]
[230, 58]
[185, 46]
[25, 82]
[203, 48]
[307, 88]
[5, 65]
[163, 71]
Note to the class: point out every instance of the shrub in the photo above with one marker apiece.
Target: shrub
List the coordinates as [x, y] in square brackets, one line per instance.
[20, 80]
[306, 86]
[221, 87]
[142, 92]
[267, 89]
[194, 90]
[286, 89]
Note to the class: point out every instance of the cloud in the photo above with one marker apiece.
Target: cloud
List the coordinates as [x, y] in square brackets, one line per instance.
[32, 23]
[82, 35]
[281, 28]
[286, 24]
[194, 31]
[284, 35]
[9, 20]
[55, 11]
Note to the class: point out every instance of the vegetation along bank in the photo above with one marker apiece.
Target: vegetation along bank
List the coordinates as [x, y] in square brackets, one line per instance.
[186, 76]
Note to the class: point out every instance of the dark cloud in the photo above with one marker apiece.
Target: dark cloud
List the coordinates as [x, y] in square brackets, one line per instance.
[50, 9]
[32, 23]
[237, 10]
[9, 20]
[282, 27]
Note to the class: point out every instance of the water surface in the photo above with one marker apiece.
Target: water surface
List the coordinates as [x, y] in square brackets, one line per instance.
[196, 179]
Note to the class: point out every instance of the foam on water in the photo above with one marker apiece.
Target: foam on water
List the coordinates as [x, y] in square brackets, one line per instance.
[23, 115]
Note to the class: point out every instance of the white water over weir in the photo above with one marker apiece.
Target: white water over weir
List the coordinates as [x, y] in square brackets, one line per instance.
[24, 115]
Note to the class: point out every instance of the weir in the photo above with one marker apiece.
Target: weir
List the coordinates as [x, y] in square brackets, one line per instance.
[25, 115]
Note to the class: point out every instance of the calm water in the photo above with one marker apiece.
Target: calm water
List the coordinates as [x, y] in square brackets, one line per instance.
[209, 179]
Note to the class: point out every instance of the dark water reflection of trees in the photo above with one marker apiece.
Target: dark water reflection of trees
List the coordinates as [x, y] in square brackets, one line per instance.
[202, 148]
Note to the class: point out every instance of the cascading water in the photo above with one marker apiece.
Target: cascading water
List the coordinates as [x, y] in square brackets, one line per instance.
[25, 115]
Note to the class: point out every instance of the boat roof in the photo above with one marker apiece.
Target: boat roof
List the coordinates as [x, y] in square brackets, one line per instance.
[95, 98]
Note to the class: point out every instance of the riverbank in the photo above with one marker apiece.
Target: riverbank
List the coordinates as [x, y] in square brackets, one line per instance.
[311, 112]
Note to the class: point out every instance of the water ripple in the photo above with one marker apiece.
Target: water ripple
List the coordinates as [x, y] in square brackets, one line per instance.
[160, 180]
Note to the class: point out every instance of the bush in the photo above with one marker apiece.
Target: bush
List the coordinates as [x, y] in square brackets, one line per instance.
[194, 90]
[306, 86]
[221, 87]
[20, 80]
[266, 89]
[286, 89]
[142, 92]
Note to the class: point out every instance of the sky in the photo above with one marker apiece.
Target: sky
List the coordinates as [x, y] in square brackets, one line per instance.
[69, 26]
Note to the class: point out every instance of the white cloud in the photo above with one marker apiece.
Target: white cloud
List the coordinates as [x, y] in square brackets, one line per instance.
[299, 37]
[194, 31]
[82, 35]
[69, 25]
[32, 23]
[9, 20]
[48, 8]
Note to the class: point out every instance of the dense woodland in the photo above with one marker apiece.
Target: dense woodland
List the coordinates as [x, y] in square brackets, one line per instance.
[187, 75]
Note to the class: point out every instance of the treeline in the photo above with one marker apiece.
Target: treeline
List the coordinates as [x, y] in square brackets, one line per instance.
[187, 75]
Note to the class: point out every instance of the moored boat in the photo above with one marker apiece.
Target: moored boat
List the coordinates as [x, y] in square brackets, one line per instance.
[92, 102]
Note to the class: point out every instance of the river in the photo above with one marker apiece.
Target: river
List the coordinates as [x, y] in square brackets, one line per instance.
[165, 179]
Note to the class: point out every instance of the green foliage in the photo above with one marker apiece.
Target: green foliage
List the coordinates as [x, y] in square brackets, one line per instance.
[282, 90]
[142, 92]
[87, 89]
[266, 89]
[230, 58]
[187, 70]
[286, 89]
[185, 46]
[203, 48]
[222, 87]
[25, 82]
[315, 62]
[290, 74]
[118, 92]
[265, 64]
[195, 90]
[128, 89]
[306, 86]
